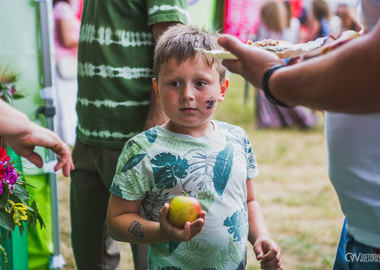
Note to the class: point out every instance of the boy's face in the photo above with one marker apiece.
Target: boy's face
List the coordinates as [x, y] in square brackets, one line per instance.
[189, 94]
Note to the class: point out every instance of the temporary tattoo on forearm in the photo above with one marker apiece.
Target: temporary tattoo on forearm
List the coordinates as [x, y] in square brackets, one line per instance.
[136, 229]
[210, 103]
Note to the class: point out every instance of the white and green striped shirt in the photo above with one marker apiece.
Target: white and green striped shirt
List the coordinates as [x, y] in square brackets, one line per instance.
[115, 59]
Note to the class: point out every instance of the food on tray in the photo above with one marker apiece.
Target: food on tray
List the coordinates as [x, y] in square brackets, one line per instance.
[342, 39]
[282, 48]
[271, 44]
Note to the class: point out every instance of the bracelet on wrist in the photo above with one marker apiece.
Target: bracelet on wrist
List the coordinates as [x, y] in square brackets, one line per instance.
[265, 86]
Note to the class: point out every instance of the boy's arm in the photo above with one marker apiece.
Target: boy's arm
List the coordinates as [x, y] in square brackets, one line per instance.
[266, 250]
[257, 227]
[125, 224]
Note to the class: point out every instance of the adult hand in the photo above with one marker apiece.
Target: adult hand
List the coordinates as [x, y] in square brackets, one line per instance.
[174, 233]
[251, 63]
[24, 143]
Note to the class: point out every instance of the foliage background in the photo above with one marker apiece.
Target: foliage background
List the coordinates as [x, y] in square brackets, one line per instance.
[301, 208]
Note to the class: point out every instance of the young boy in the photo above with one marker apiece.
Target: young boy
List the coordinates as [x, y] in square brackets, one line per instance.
[209, 160]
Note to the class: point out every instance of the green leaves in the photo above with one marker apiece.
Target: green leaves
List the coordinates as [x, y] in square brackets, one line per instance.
[167, 168]
[133, 161]
[10, 215]
[222, 168]
[235, 224]
[5, 92]
[6, 221]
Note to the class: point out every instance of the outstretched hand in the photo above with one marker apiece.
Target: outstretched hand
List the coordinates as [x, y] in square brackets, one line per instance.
[24, 144]
[251, 63]
[268, 253]
[174, 233]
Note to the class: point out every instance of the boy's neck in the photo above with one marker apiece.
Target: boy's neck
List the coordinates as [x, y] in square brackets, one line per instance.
[193, 132]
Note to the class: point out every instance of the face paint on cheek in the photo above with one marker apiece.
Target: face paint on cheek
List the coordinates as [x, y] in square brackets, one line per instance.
[211, 102]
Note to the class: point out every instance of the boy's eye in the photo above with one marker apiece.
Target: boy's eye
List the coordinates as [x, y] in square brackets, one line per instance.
[200, 83]
[175, 83]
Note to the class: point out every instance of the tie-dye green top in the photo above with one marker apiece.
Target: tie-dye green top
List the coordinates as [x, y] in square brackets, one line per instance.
[115, 60]
[158, 164]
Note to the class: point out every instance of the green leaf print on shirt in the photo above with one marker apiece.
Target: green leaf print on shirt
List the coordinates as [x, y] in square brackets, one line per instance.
[164, 249]
[132, 162]
[202, 255]
[151, 135]
[173, 245]
[237, 222]
[206, 199]
[131, 190]
[167, 168]
[236, 251]
[115, 189]
[222, 168]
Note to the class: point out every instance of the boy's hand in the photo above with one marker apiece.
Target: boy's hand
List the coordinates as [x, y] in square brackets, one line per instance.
[173, 233]
[268, 253]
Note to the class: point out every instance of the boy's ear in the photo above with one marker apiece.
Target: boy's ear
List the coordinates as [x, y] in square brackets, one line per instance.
[155, 87]
[223, 88]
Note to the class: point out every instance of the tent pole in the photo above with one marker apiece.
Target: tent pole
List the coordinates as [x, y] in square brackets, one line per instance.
[45, 9]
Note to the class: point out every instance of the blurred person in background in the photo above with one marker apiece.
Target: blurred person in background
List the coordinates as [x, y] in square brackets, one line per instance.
[345, 83]
[66, 36]
[272, 26]
[292, 24]
[348, 16]
[318, 22]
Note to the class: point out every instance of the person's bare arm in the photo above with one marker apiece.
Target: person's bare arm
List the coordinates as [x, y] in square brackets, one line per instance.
[67, 35]
[345, 80]
[125, 224]
[156, 115]
[23, 136]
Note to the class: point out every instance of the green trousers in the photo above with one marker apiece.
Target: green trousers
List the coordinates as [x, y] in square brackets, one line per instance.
[89, 194]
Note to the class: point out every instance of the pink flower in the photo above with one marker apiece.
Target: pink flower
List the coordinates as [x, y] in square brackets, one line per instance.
[2, 170]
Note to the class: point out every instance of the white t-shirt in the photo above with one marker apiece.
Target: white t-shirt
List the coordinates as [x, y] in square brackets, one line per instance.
[158, 165]
[353, 143]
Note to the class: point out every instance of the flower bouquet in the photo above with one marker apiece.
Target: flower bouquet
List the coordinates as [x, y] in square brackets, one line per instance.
[15, 204]
[8, 86]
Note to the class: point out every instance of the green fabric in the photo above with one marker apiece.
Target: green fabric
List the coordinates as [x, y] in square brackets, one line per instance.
[40, 240]
[16, 247]
[202, 14]
[115, 67]
[219, 15]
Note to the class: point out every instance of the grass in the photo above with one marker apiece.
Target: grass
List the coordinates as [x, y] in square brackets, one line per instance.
[299, 204]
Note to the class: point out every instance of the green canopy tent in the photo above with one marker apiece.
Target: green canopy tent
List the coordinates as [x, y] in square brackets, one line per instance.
[26, 49]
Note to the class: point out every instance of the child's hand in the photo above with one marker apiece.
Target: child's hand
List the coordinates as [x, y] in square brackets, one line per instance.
[268, 253]
[173, 233]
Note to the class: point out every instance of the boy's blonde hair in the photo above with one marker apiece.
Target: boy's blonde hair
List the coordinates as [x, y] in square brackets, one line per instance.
[180, 41]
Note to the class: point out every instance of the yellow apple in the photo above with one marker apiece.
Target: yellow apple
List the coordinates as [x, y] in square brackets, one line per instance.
[183, 209]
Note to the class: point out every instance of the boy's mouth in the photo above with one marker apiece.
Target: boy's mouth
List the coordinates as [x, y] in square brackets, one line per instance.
[188, 110]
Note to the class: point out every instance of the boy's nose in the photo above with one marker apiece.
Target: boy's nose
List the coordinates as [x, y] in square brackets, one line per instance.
[188, 93]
